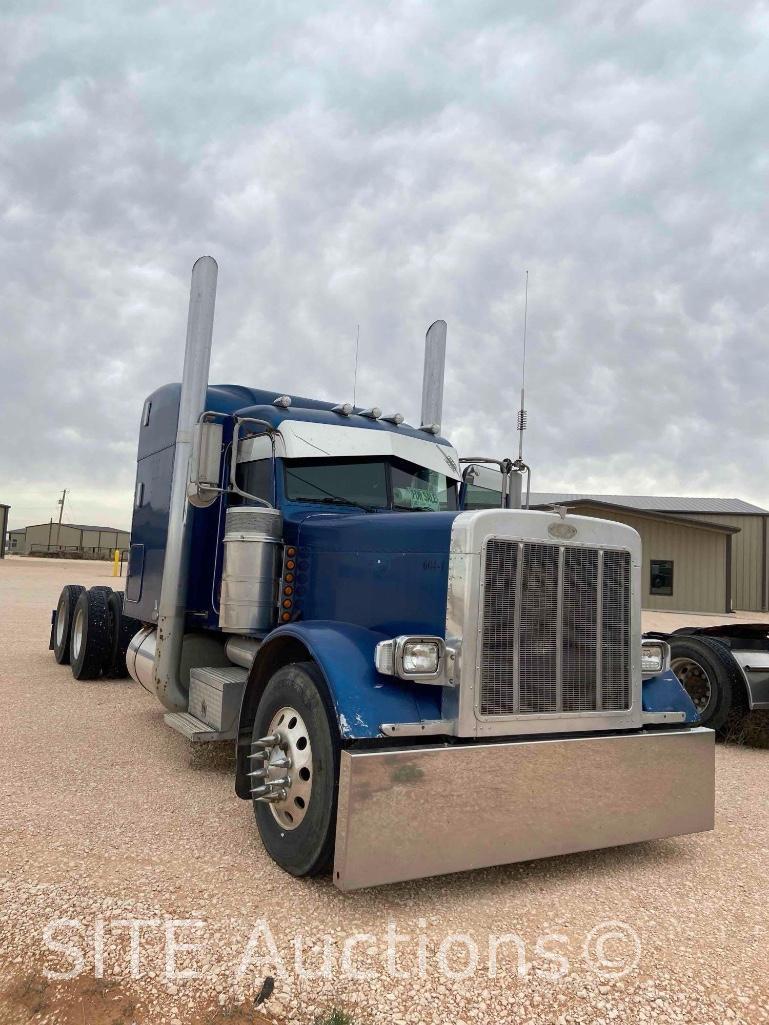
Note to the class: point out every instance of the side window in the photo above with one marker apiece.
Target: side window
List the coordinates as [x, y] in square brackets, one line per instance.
[477, 497]
[255, 467]
[482, 487]
[661, 577]
[255, 477]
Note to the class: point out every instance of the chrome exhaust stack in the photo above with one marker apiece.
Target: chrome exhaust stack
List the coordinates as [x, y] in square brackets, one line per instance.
[432, 378]
[169, 687]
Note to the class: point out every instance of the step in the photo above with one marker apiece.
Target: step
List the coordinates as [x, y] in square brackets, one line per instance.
[215, 696]
[195, 730]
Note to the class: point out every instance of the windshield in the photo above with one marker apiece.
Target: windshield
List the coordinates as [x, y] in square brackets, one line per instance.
[373, 483]
[414, 487]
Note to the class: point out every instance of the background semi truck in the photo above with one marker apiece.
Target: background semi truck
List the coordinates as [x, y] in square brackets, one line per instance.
[724, 669]
[412, 687]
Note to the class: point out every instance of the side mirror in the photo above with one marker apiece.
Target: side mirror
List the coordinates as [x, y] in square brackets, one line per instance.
[205, 464]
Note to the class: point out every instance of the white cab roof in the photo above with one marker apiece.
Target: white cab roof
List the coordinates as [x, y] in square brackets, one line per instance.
[298, 439]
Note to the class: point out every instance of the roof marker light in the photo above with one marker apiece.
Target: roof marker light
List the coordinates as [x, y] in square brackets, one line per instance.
[393, 418]
[282, 401]
[373, 414]
[430, 428]
[344, 408]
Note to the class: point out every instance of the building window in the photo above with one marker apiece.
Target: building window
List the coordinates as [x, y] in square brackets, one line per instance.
[661, 577]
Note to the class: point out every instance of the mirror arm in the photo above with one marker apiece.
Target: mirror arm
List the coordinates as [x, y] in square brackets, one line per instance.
[506, 468]
[269, 430]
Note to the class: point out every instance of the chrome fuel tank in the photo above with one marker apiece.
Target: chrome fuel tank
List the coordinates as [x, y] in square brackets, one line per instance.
[252, 547]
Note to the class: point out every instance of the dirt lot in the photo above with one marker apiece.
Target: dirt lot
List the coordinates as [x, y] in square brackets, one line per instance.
[109, 817]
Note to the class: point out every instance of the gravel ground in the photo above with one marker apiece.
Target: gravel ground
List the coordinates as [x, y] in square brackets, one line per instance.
[109, 816]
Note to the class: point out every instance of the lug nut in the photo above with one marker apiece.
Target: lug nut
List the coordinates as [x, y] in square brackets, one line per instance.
[261, 791]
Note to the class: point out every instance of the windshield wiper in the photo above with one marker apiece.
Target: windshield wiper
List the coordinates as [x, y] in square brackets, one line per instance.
[335, 500]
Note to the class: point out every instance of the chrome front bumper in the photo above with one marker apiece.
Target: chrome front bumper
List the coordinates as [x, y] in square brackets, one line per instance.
[420, 811]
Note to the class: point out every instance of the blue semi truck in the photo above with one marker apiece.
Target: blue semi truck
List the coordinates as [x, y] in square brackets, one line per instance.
[418, 679]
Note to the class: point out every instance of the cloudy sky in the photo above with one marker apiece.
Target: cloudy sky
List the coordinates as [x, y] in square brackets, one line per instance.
[388, 164]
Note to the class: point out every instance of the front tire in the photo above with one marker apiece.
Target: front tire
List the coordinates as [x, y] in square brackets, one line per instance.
[710, 676]
[298, 828]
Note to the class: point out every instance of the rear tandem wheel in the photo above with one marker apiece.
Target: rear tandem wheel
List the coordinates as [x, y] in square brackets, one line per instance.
[65, 614]
[90, 645]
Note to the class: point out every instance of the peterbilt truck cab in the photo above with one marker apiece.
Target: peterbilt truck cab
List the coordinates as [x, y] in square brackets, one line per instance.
[412, 687]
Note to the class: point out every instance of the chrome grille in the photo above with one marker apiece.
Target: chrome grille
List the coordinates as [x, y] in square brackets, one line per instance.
[555, 629]
[615, 616]
[537, 661]
[580, 629]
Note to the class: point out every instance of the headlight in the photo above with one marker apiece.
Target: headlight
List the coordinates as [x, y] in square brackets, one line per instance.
[655, 657]
[421, 657]
[411, 658]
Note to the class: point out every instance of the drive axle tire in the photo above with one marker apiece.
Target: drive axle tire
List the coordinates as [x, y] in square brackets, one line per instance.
[90, 643]
[710, 676]
[122, 629]
[298, 830]
[65, 613]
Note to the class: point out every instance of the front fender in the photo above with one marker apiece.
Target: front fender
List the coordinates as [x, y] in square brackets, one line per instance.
[363, 699]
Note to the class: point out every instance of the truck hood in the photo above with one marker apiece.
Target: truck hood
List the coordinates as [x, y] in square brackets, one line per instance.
[386, 532]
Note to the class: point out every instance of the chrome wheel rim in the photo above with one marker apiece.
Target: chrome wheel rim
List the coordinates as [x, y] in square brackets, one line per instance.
[78, 629]
[60, 623]
[295, 748]
[694, 680]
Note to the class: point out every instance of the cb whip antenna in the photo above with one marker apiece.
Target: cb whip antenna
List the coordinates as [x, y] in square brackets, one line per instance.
[522, 414]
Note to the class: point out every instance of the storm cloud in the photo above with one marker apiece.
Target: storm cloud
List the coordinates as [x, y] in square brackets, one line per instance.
[385, 165]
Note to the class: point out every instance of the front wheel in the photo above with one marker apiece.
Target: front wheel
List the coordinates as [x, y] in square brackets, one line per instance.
[710, 677]
[294, 767]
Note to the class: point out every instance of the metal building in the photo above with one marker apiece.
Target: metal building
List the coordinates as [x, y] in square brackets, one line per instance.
[68, 539]
[700, 554]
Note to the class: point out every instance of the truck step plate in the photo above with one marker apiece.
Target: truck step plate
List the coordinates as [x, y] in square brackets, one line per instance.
[422, 811]
[195, 730]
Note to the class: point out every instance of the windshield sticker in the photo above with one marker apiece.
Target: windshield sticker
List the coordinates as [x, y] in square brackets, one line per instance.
[418, 498]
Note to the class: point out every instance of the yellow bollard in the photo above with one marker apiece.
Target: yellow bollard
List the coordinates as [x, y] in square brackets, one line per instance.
[116, 562]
